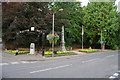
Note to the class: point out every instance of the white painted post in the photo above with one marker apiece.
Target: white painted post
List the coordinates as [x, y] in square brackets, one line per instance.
[63, 41]
[32, 48]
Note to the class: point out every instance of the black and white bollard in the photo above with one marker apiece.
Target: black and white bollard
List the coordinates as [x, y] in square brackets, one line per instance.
[16, 53]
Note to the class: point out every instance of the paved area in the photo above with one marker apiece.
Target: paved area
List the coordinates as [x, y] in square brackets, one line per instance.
[8, 57]
[95, 65]
[24, 57]
[116, 76]
[92, 65]
[0, 60]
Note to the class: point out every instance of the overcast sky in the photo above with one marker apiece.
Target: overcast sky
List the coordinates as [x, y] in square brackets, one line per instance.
[84, 2]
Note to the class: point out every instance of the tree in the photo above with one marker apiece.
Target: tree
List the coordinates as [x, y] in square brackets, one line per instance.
[101, 16]
[71, 18]
[18, 16]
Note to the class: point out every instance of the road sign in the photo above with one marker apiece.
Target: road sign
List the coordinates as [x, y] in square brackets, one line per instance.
[101, 42]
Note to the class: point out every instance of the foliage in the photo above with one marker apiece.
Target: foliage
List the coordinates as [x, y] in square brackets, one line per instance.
[101, 16]
[48, 53]
[118, 34]
[52, 38]
[58, 52]
[19, 16]
[14, 51]
[88, 50]
[71, 18]
[96, 17]
[64, 52]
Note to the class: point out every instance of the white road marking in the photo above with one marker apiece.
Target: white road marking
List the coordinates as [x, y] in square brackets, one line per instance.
[109, 56]
[24, 62]
[90, 60]
[116, 74]
[111, 77]
[34, 62]
[14, 62]
[50, 68]
[1, 64]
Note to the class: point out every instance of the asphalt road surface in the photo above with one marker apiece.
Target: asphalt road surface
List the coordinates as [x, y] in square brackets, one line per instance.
[0, 60]
[95, 65]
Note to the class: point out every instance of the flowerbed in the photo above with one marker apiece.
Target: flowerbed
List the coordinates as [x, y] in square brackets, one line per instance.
[19, 52]
[88, 50]
[59, 52]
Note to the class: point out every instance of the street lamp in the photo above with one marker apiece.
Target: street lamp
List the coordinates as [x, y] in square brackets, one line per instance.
[17, 34]
[53, 27]
[43, 37]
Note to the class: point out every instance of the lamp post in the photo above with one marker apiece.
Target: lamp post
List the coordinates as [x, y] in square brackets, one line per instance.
[17, 34]
[53, 30]
[101, 39]
[38, 42]
[53, 23]
[43, 37]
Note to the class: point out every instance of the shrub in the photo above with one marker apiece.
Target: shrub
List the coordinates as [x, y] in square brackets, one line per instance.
[48, 53]
[14, 51]
[88, 50]
[63, 52]
[59, 52]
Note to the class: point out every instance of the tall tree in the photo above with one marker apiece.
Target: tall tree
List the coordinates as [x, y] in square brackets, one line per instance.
[18, 16]
[101, 17]
[71, 18]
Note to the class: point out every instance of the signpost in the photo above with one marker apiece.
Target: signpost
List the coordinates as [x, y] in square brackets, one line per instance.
[101, 42]
[102, 45]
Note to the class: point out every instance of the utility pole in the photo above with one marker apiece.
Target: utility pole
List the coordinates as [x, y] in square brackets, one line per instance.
[101, 39]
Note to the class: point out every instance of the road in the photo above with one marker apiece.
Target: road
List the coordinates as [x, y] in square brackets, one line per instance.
[95, 65]
[0, 60]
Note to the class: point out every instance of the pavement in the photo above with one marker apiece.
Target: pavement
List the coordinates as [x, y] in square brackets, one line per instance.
[84, 65]
[0, 61]
[26, 57]
[93, 65]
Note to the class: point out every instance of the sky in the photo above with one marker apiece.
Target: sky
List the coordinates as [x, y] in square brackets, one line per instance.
[84, 2]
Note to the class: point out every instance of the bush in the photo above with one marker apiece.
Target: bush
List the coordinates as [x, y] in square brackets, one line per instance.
[59, 52]
[14, 51]
[48, 53]
[88, 50]
[63, 52]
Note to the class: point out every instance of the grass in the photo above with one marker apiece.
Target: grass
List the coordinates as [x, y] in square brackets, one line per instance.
[88, 50]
